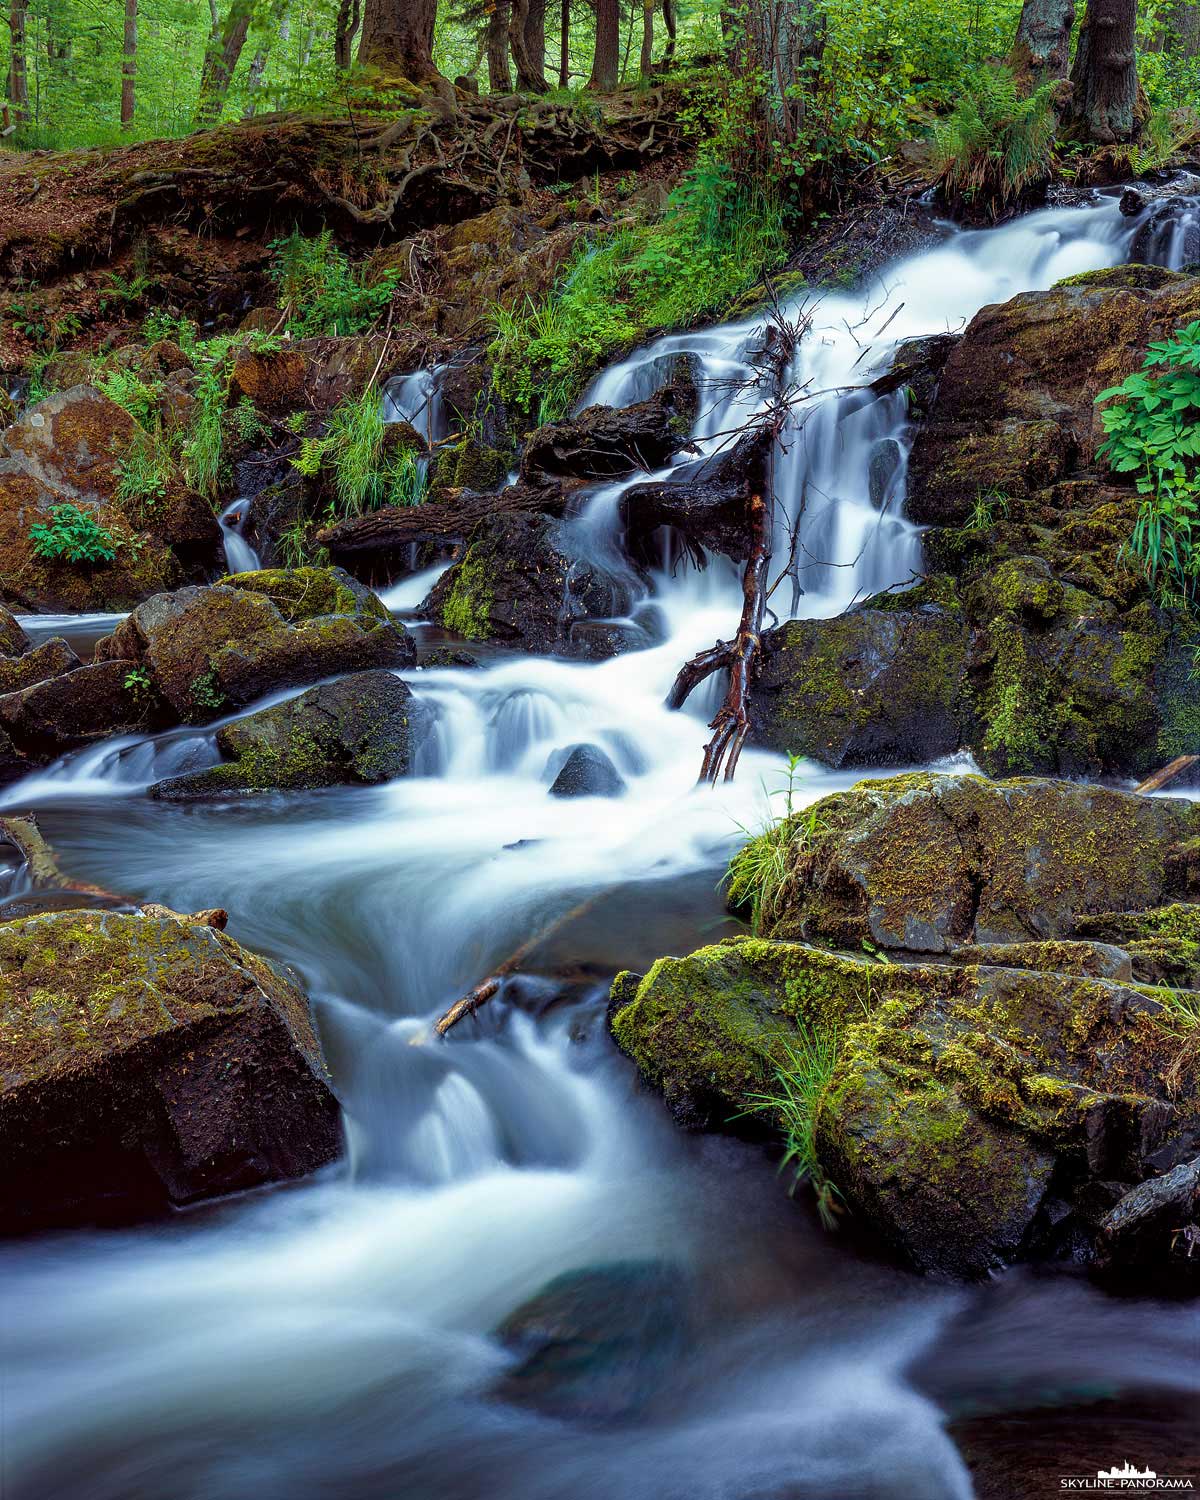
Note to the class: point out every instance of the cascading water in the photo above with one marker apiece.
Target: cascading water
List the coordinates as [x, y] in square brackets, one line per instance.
[333, 1339]
[240, 556]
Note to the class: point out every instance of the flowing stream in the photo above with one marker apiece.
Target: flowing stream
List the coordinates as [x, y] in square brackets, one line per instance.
[334, 1338]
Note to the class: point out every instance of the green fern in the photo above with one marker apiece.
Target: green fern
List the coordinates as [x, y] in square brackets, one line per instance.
[996, 142]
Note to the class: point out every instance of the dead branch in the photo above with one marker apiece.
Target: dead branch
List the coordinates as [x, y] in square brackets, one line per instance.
[485, 991]
[1161, 778]
[40, 860]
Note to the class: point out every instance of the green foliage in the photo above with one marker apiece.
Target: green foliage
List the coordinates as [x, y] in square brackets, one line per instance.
[320, 289]
[366, 472]
[996, 142]
[801, 1085]
[759, 873]
[144, 473]
[73, 535]
[987, 510]
[1152, 424]
[139, 397]
[714, 241]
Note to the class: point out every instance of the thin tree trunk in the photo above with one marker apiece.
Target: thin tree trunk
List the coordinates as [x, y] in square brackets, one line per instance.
[18, 80]
[221, 62]
[777, 38]
[1042, 49]
[564, 46]
[1104, 103]
[397, 39]
[499, 76]
[1187, 28]
[527, 41]
[672, 25]
[258, 65]
[348, 17]
[129, 65]
[608, 46]
[647, 57]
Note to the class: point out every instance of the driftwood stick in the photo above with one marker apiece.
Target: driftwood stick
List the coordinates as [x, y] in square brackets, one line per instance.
[485, 991]
[1160, 779]
[41, 862]
[731, 722]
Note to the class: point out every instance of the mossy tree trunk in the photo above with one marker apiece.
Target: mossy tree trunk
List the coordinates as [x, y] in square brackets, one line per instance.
[775, 40]
[397, 39]
[221, 62]
[647, 57]
[18, 82]
[499, 74]
[1042, 49]
[670, 21]
[606, 57]
[348, 17]
[1105, 105]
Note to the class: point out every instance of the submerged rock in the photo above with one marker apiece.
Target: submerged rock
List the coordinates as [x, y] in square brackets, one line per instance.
[587, 772]
[598, 1343]
[972, 1115]
[362, 729]
[209, 651]
[148, 1063]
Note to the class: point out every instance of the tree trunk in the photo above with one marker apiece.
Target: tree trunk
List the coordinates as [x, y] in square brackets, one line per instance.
[397, 39]
[129, 65]
[647, 58]
[221, 62]
[1187, 28]
[18, 81]
[258, 65]
[564, 46]
[348, 16]
[608, 46]
[1042, 49]
[499, 77]
[527, 41]
[1104, 104]
[670, 22]
[779, 37]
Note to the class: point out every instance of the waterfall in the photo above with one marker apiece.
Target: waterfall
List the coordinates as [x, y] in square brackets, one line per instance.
[240, 556]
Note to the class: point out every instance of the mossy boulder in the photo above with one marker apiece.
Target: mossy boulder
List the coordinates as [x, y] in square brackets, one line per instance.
[1163, 943]
[148, 1062]
[362, 729]
[48, 659]
[882, 687]
[13, 640]
[210, 651]
[68, 450]
[518, 585]
[78, 706]
[971, 1115]
[925, 862]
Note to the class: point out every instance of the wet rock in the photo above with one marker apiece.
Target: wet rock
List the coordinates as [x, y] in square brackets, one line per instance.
[148, 1063]
[708, 504]
[209, 651]
[68, 450]
[924, 862]
[917, 368]
[362, 729]
[597, 1344]
[13, 640]
[871, 687]
[604, 442]
[79, 706]
[1014, 409]
[50, 659]
[518, 585]
[1156, 1226]
[971, 1115]
[586, 772]
[1163, 943]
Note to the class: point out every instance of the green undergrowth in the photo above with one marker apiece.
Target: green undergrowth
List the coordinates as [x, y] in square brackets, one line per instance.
[364, 470]
[321, 292]
[758, 874]
[73, 535]
[794, 1101]
[997, 141]
[715, 240]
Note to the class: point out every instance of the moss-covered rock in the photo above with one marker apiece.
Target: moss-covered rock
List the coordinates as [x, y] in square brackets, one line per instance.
[78, 706]
[69, 450]
[869, 687]
[13, 640]
[49, 659]
[362, 729]
[925, 862]
[148, 1062]
[209, 651]
[971, 1114]
[1163, 943]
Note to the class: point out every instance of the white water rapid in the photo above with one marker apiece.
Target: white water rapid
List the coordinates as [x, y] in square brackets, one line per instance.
[240, 556]
[333, 1340]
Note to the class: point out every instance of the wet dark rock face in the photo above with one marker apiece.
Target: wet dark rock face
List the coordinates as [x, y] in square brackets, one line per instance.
[587, 772]
[153, 1063]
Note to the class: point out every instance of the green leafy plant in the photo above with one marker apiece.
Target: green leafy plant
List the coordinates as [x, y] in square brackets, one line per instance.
[321, 291]
[366, 471]
[246, 421]
[73, 535]
[1152, 426]
[800, 1087]
[139, 397]
[145, 472]
[996, 141]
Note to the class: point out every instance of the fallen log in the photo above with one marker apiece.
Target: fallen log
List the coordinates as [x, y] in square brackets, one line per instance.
[40, 860]
[1168, 774]
[450, 522]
